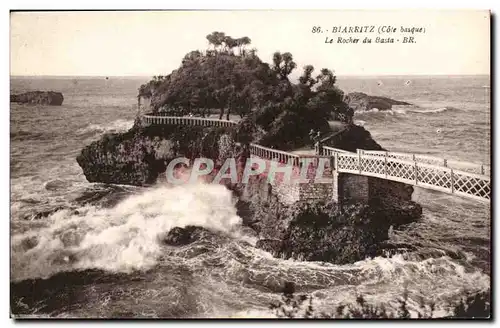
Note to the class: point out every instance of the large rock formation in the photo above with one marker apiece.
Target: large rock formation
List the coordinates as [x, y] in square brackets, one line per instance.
[360, 101]
[140, 155]
[311, 230]
[321, 230]
[351, 138]
[39, 98]
[178, 236]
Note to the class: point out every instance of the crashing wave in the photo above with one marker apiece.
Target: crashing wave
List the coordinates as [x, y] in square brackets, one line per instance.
[406, 109]
[122, 238]
[429, 111]
[120, 125]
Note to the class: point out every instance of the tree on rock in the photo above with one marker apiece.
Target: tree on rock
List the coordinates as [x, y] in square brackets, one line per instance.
[230, 79]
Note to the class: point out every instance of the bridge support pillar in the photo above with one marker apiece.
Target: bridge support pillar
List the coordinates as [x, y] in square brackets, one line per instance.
[336, 191]
[349, 188]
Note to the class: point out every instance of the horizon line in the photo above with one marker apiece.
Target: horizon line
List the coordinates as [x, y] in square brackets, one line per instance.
[338, 75]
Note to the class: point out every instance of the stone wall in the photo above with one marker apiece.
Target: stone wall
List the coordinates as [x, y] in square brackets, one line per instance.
[389, 192]
[353, 188]
[316, 191]
[344, 189]
[287, 193]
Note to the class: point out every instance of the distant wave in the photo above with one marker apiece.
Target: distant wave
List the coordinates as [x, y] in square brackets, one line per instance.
[28, 135]
[119, 125]
[408, 109]
[436, 110]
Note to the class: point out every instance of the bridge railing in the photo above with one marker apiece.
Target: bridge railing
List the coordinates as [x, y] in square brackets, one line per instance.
[330, 151]
[416, 173]
[274, 154]
[477, 168]
[297, 161]
[182, 120]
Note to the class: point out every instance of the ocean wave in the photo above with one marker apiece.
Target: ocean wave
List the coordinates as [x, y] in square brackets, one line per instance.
[381, 280]
[119, 125]
[403, 110]
[435, 110]
[123, 238]
[23, 135]
[57, 184]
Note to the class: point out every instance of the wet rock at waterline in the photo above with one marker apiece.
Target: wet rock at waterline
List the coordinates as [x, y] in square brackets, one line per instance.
[50, 98]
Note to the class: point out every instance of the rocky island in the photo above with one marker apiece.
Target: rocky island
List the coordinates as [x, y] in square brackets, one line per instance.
[50, 98]
[276, 113]
[360, 102]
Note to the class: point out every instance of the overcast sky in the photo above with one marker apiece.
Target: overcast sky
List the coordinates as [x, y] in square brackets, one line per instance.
[153, 43]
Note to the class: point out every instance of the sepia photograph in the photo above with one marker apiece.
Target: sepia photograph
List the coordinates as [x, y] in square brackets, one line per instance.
[250, 164]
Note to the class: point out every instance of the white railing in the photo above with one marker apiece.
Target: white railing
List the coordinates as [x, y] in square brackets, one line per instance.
[330, 151]
[181, 120]
[274, 154]
[285, 157]
[477, 168]
[414, 172]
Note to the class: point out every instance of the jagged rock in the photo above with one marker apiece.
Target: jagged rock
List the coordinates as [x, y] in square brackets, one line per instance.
[140, 155]
[360, 101]
[269, 245]
[319, 231]
[353, 137]
[178, 236]
[39, 98]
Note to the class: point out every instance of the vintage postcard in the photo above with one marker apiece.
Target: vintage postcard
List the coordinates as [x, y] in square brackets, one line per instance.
[269, 164]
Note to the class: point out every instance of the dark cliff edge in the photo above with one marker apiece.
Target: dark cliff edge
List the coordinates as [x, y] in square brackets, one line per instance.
[360, 102]
[140, 156]
[50, 98]
[315, 230]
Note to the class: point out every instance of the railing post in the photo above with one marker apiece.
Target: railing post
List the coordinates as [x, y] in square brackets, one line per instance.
[336, 161]
[416, 171]
[445, 162]
[452, 182]
[359, 160]
[482, 169]
[385, 164]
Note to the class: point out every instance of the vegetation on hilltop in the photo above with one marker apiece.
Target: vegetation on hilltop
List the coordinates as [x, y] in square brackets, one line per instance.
[232, 79]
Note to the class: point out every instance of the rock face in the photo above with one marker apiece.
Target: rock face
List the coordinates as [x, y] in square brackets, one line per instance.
[39, 98]
[319, 230]
[140, 155]
[178, 236]
[352, 138]
[360, 101]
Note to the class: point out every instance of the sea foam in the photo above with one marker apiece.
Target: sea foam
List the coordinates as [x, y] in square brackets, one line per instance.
[123, 238]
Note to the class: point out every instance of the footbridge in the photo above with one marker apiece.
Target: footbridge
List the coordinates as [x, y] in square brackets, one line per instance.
[470, 180]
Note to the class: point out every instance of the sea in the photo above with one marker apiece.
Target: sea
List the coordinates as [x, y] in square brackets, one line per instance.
[90, 250]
